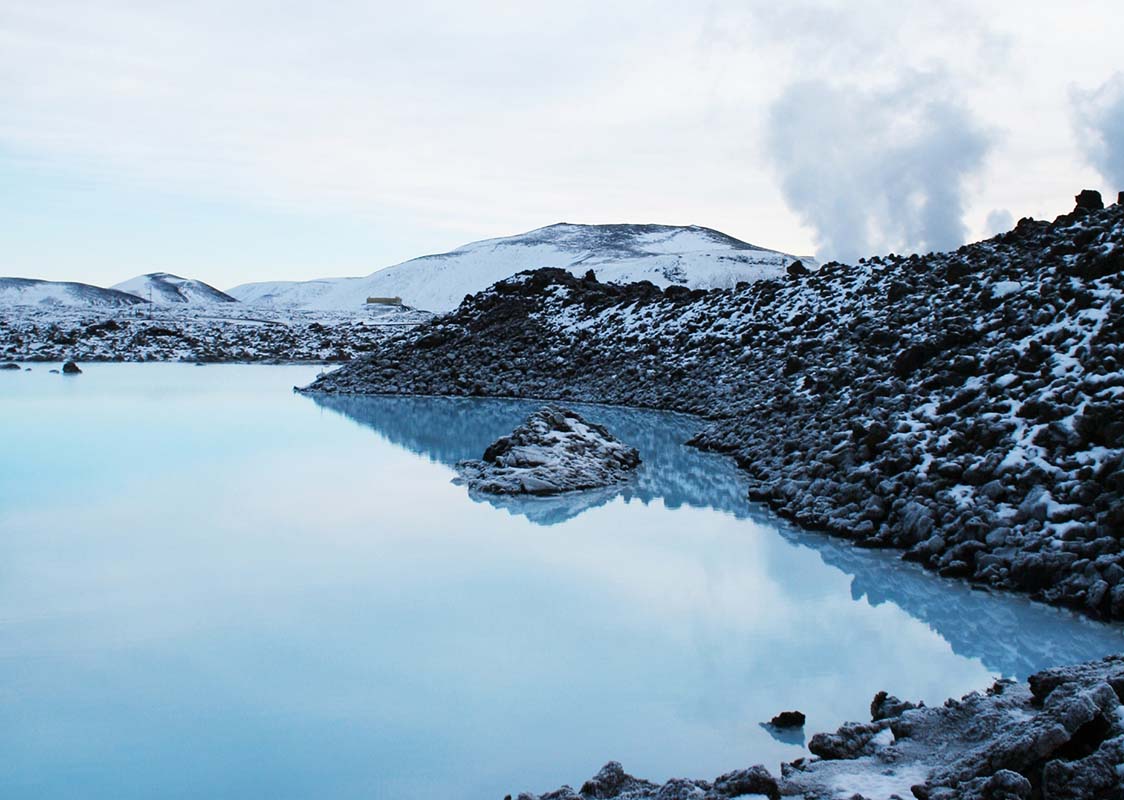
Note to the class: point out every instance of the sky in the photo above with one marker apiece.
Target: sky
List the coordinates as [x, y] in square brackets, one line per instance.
[245, 140]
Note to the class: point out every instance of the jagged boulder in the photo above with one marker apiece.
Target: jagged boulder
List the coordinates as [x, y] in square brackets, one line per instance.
[612, 781]
[70, 368]
[788, 719]
[755, 780]
[1089, 200]
[851, 740]
[886, 706]
[555, 450]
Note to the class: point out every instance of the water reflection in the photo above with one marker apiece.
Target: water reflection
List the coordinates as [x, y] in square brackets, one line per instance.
[1009, 634]
[792, 736]
[451, 429]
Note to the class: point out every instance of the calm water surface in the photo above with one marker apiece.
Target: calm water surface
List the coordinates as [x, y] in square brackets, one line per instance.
[212, 587]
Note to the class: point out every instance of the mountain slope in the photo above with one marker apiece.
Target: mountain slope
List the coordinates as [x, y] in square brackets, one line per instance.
[663, 254]
[35, 292]
[165, 289]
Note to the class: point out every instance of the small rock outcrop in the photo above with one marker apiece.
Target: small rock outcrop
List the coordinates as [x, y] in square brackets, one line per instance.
[10, 365]
[788, 719]
[555, 450]
[885, 706]
[70, 368]
[613, 783]
[1089, 200]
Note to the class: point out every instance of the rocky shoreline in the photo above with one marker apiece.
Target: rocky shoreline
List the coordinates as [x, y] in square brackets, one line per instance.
[1060, 736]
[965, 407]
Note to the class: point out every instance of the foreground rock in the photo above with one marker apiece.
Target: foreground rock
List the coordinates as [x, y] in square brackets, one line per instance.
[966, 407]
[1060, 737]
[70, 368]
[552, 452]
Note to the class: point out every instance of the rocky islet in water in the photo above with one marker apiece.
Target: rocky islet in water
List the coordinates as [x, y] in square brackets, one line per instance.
[553, 452]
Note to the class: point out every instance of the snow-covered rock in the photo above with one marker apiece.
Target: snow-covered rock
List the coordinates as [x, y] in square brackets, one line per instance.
[554, 451]
[35, 292]
[163, 288]
[666, 255]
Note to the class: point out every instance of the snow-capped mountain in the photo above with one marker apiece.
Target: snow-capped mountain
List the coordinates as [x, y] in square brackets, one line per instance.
[163, 288]
[663, 254]
[35, 292]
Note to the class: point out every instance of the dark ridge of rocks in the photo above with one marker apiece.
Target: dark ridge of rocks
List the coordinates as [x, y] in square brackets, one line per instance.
[613, 783]
[553, 451]
[1060, 737]
[10, 365]
[189, 333]
[963, 406]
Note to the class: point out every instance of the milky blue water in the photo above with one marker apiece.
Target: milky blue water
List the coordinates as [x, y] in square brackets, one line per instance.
[213, 587]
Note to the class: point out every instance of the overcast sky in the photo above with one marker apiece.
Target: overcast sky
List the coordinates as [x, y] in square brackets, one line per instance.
[238, 140]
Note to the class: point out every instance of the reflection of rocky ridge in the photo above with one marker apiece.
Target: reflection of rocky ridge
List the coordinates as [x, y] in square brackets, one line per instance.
[448, 430]
[452, 429]
[555, 451]
[1011, 635]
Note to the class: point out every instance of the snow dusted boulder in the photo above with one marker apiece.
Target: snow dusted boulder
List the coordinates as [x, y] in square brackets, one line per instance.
[552, 452]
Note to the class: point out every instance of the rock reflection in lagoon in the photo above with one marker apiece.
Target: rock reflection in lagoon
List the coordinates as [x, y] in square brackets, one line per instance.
[213, 587]
[452, 429]
[1011, 636]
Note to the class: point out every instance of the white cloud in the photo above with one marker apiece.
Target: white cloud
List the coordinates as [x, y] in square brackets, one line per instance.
[489, 118]
[877, 170]
[1100, 121]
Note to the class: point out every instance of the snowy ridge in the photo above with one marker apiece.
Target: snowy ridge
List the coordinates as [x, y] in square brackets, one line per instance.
[163, 288]
[665, 255]
[35, 292]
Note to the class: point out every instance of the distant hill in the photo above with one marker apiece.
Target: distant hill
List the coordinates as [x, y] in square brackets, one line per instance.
[35, 292]
[663, 254]
[163, 288]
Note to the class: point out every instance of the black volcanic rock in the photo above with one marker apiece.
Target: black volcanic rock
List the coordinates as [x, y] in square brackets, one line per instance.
[972, 420]
[788, 719]
[1089, 200]
[70, 368]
